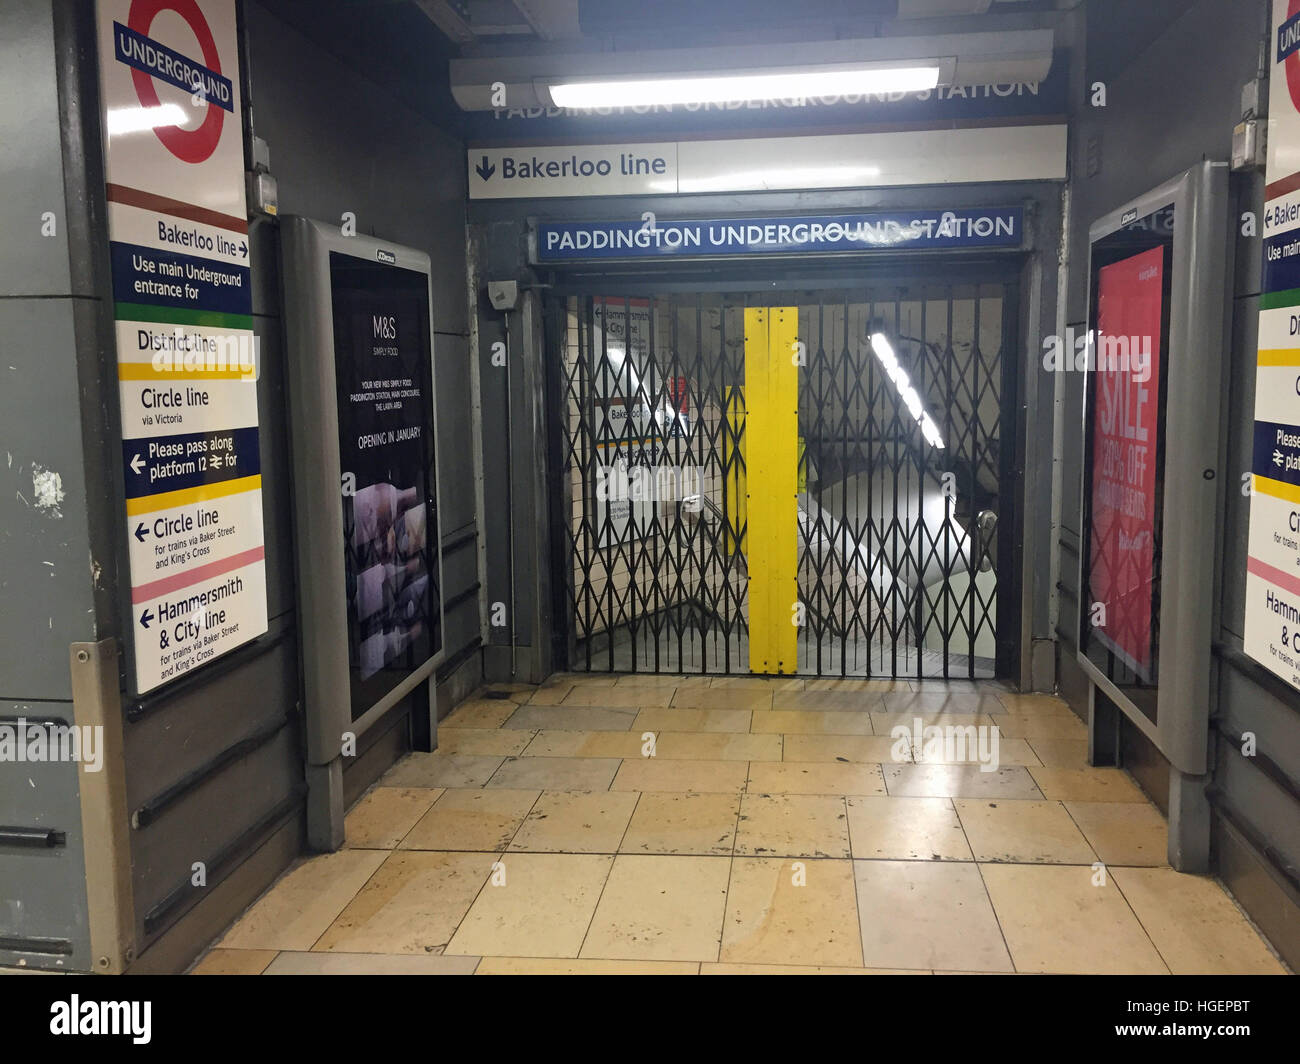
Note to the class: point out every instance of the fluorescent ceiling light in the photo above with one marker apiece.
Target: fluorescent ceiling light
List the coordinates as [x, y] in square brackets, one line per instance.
[137, 119]
[911, 400]
[729, 88]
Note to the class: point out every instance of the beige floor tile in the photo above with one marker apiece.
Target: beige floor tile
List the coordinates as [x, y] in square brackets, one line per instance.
[692, 720]
[718, 746]
[381, 819]
[582, 679]
[441, 770]
[927, 915]
[811, 722]
[723, 698]
[587, 744]
[491, 742]
[1056, 920]
[556, 773]
[696, 824]
[234, 962]
[1041, 726]
[479, 713]
[1009, 751]
[545, 966]
[304, 902]
[1086, 784]
[411, 905]
[1061, 753]
[797, 969]
[1049, 705]
[814, 777]
[792, 825]
[629, 697]
[660, 908]
[759, 683]
[572, 718]
[574, 822]
[849, 683]
[959, 781]
[924, 703]
[519, 693]
[370, 964]
[923, 829]
[472, 820]
[885, 723]
[550, 695]
[874, 749]
[829, 701]
[541, 907]
[653, 679]
[654, 774]
[1194, 923]
[791, 912]
[1123, 833]
[958, 686]
[1022, 832]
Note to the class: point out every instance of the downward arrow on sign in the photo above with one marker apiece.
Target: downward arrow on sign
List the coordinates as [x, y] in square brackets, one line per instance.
[485, 169]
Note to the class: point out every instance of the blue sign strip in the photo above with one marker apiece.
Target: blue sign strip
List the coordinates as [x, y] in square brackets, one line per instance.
[1277, 452]
[1282, 262]
[927, 230]
[158, 464]
[143, 53]
[170, 279]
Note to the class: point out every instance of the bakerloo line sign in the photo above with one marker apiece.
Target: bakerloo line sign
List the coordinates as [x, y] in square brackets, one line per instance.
[878, 230]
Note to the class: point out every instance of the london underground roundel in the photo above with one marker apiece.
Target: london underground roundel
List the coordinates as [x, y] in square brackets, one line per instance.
[188, 145]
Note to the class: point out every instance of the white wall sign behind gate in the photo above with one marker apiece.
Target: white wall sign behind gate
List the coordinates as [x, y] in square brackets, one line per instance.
[178, 233]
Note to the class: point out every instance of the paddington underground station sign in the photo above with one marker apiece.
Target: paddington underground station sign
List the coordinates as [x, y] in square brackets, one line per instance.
[930, 230]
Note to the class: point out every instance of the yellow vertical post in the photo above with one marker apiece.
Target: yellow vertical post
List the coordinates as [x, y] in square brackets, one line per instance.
[772, 470]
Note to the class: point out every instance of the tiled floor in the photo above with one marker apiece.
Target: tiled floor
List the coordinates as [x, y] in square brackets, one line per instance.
[606, 824]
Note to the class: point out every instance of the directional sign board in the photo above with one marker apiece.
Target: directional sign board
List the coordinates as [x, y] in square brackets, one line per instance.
[1272, 620]
[182, 299]
[847, 160]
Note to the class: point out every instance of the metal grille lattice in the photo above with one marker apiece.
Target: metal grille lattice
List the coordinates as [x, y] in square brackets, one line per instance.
[900, 423]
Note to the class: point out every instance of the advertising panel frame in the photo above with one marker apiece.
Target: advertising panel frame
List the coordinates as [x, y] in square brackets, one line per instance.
[314, 419]
[1191, 507]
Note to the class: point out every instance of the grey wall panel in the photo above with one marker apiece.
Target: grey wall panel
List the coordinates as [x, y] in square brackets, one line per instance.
[31, 158]
[183, 735]
[46, 599]
[455, 432]
[42, 891]
[1260, 801]
[215, 817]
[342, 143]
[1246, 707]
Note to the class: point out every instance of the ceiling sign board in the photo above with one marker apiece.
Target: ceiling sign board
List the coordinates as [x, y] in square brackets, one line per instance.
[852, 160]
[889, 231]
[1272, 618]
[178, 234]
[580, 170]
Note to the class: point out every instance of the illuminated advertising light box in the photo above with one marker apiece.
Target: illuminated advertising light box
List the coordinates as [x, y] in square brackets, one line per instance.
[1152, 455]
[361, 401]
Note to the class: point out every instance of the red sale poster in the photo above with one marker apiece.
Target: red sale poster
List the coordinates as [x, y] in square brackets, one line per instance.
[1124, 440]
